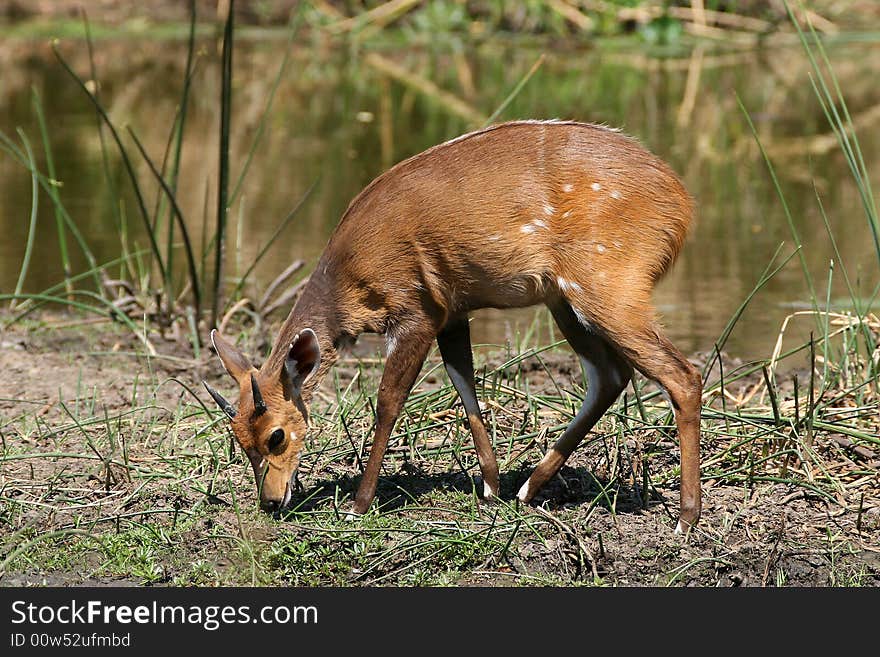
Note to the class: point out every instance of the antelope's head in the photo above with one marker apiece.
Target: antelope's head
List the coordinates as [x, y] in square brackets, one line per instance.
[271, 418]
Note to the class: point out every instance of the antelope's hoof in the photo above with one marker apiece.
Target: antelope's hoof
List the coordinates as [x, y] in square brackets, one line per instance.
[685, 525]
[487, 494]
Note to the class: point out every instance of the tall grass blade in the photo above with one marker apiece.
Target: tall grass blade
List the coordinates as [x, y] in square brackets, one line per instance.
[109, 177]
[265, 248]
[842, 125]
[154, 247]
[792, 228]
[513, 94]
[261, 125]
[32, 224]
[187, 244]
[49, 186]
[53, 194]
[223, 159]
[175, 137]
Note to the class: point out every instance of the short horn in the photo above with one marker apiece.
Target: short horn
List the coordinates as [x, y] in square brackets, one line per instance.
[259, 404]
[224, 405]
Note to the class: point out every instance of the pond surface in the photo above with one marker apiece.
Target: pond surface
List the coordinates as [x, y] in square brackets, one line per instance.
[343, 115]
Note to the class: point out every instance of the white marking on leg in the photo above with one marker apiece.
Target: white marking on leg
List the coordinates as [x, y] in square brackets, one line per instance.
[595, 187]
[390, 343]
[616, 194]
[488, 493]
[582, 319]
[678, 528]
[523, 493]
[567, 187]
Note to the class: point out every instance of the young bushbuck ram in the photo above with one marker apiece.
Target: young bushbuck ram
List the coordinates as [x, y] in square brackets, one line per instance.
[576, 216]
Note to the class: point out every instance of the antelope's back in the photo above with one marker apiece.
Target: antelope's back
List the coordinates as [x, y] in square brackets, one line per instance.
[515, 202]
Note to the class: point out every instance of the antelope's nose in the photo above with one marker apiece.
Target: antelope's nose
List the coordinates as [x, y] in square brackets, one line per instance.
[270, 506]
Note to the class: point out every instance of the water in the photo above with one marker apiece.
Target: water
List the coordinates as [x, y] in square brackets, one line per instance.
[337, 119]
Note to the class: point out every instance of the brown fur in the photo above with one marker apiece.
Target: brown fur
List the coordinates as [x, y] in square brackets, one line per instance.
[514, 215]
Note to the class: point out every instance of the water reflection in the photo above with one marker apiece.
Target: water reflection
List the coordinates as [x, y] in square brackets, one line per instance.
[341, 118]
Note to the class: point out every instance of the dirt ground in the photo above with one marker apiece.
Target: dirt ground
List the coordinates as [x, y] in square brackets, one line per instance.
[166, 506]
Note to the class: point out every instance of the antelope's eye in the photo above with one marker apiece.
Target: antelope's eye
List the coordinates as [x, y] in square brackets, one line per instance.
[275, 439]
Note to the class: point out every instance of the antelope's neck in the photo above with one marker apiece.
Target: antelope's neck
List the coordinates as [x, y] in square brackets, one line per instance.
[315, 309]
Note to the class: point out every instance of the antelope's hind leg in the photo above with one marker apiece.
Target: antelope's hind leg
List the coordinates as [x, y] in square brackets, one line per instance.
[455, 348]
[607, 375]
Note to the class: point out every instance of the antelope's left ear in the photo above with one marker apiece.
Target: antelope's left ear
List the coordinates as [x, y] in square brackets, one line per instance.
[234, 362]
[302, 361]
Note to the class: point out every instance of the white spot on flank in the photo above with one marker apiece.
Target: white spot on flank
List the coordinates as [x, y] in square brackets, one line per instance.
[494, 238]
[565, 285]
[566, 213]
[595, 187]
[540, 223]
[549, 210]
[528, 228]
[617, 244]
[523, 493]
[600, 248]
[567, 187]
[616, 194]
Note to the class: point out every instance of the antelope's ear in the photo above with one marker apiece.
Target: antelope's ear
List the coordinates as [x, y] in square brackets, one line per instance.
[302, 361]
[234, 362]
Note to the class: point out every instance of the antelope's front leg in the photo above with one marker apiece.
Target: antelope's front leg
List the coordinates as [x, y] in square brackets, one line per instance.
[406, 354]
